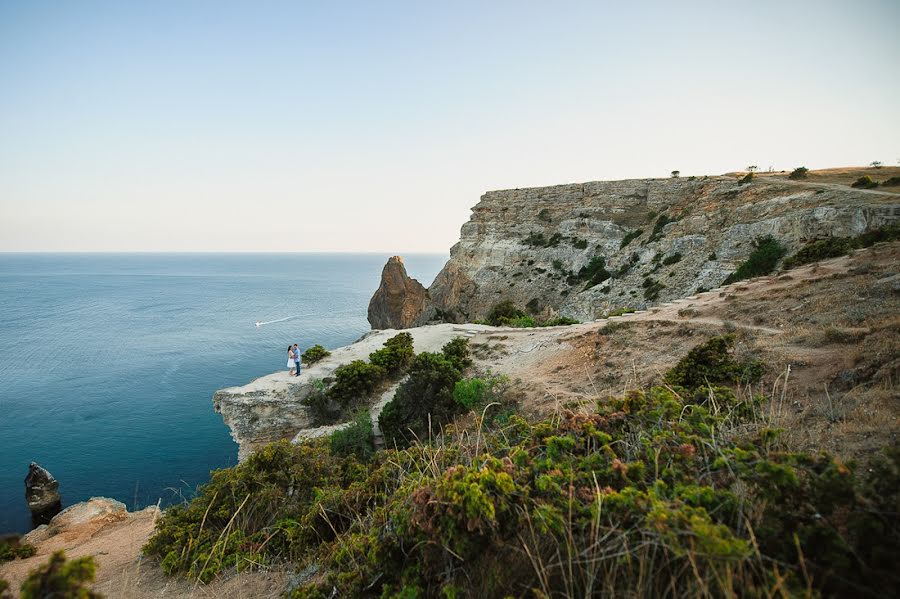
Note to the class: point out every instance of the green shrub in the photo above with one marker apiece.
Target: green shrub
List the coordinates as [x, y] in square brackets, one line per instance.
[661, 221]
[559, 321]
[580, 244]
[746, 179]
[671, 259]
[469, 393]
[544, 215]
[629, 237]
[819, 250]
[537, 239]
[358, 439]
[422, 403]
[314, 354]
[801, 172]
[61, 578]
[864, 182]
[762, 260]
[396, 354]
[712, 363]
[892, 182]
[503, 312]
[712, 257]
[840, 246]
[355, 381]
[594, 272]
[4, 587]
[620, 311]
[457, 351]
[652, 288]
[11, 549]
[322, 407]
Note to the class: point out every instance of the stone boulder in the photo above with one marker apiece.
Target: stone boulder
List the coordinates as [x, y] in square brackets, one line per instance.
[400, 301]
[41, 493]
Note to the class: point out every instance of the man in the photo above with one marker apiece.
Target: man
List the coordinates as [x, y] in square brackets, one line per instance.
[297, 359]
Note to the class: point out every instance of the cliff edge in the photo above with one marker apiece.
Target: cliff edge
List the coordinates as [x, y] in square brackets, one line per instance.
[583, 250]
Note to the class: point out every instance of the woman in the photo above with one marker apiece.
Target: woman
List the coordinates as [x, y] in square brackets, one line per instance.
[290, 363]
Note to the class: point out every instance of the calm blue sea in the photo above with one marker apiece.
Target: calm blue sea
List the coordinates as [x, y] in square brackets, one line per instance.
[108, 363]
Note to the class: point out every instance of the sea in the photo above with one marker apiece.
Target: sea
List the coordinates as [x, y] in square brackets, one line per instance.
[108, 362]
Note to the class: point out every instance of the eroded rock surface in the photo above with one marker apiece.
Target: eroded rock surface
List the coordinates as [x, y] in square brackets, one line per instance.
[400, 301]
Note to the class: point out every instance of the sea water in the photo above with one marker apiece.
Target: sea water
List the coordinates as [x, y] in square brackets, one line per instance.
[108, 363]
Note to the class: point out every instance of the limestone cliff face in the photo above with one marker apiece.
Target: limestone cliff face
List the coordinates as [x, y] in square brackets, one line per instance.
[399, 300]
[660, 239]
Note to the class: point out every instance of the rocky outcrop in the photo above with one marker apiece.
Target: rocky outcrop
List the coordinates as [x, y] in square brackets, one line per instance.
[400, 301]
[271, 407]
[42, 494]
[658, 239]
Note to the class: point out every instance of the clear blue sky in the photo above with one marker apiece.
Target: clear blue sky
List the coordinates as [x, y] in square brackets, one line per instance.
[375, 126]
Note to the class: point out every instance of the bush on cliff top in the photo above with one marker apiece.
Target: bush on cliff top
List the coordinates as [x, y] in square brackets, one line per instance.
[702, 501]
[314, 354]
[396, 355]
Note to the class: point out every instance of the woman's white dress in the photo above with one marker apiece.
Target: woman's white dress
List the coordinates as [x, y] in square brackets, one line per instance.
[290, 363]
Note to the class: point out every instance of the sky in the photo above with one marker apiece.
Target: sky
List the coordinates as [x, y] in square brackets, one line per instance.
[376, 126]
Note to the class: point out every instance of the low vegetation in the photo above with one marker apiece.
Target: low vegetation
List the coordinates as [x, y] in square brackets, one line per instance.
[507, 314]
[652, 287]
[661, 221]
[357, 380]
[762, 260]
[671, 259]
[864, 182]
[62, 579]
[834, 247]
[11, 549]
[314, 354]
[681, 490]
[799, 173]
[629, 237]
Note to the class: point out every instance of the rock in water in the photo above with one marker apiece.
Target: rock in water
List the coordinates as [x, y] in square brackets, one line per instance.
[42, 494]
[400, 301]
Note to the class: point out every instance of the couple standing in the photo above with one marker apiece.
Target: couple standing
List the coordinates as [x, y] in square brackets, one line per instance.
[293, 363]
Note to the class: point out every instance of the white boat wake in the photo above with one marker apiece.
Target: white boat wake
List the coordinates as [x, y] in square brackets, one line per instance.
[264, 323]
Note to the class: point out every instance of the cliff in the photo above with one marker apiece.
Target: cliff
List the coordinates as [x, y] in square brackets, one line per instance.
[584, 249]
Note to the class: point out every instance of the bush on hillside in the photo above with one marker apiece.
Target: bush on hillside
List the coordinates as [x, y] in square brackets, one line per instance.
[504, 312]
[396, 355]
[801, 172]
[661, 221]
[61, 578]
[892, 182]
[422, 403]
[357, 440]
[840, 246]
[355, 381]
[713, 363]
[314, 354]
[11, 549]
[761, 261]
[864, 182]
[746, 179]
[594, 272]
[672, 259]
[457, 351]
[629, 237]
